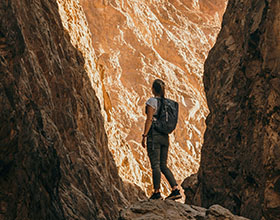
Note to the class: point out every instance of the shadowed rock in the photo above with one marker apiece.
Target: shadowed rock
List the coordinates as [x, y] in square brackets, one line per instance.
[240, 158]
[164, 210]
[54, 157]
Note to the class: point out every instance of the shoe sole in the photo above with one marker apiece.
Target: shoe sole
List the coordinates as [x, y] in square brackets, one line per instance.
[174, 197]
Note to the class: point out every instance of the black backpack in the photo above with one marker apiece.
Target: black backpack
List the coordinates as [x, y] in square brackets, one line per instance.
[167, 116]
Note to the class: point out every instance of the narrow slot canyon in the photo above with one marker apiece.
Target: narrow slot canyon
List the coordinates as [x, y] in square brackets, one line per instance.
[75, 76]
[136, 42]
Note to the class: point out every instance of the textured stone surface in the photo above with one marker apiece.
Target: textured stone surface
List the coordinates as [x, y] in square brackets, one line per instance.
[173, 210]
[54, 157]
[137, 41]
[190, 186]
[240, 161]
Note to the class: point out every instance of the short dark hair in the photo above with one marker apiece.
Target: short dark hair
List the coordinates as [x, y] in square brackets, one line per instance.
[158, 86]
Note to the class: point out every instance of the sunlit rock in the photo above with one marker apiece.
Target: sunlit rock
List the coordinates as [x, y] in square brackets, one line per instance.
[135, 42]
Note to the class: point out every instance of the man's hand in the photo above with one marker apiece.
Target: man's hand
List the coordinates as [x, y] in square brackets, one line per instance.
[144, 142]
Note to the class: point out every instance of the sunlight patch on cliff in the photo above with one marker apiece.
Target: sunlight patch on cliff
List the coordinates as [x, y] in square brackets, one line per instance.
[126, 45]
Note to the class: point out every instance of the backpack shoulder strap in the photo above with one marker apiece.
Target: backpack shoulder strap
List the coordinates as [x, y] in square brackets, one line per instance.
[160, 103]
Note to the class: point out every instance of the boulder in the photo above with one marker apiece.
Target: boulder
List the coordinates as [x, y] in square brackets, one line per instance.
[167, 209]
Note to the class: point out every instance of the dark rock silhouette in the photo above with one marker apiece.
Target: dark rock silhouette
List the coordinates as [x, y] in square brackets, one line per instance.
[54, 158]
[240, 160]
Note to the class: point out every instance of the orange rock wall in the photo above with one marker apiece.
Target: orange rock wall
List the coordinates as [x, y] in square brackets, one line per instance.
[136, 42]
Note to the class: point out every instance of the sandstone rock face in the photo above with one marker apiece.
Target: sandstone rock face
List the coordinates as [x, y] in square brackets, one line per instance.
[190, 186]
[54, 156]
[240, 159]
[166, 210]
[135, 42]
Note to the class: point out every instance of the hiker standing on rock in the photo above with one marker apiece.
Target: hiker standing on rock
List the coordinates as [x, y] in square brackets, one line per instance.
[162, 115]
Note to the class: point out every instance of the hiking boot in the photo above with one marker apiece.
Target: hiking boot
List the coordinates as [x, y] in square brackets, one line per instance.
[175, 194]
[156, 196]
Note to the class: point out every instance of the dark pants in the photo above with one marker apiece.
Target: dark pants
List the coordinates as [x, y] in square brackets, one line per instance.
[157, 145]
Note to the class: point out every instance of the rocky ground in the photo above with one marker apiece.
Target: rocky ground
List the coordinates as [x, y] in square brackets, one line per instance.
[168, 210]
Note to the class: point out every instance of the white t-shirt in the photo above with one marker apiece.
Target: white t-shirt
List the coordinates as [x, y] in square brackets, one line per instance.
[153, 102]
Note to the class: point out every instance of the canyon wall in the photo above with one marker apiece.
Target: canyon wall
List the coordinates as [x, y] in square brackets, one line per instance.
[240, 159]
[136, 42]
[54, 156]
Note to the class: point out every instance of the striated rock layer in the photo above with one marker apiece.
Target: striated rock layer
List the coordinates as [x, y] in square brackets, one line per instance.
[240, 161]
[167, 210]
[54, 156]
[137, 41]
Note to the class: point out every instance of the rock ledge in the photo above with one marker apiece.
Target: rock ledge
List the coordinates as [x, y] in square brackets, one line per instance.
[160, 209]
